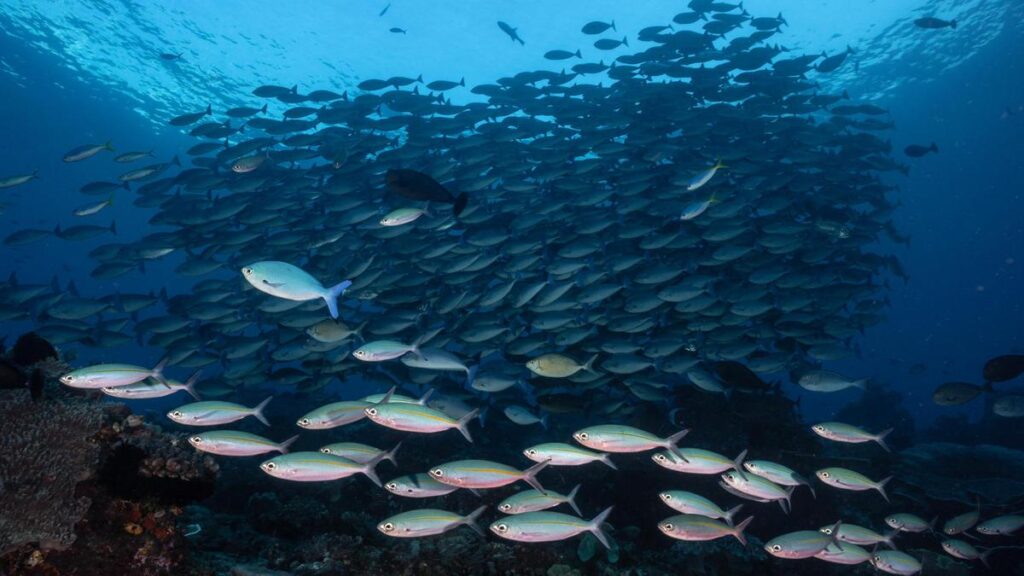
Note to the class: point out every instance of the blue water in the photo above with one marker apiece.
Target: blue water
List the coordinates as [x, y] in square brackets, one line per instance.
[90, 72]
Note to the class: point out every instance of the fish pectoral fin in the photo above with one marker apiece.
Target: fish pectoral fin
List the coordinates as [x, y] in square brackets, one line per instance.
[204, 415]
[273, 284]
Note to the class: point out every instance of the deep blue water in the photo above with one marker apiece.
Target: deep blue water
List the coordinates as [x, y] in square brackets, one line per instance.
[70, 78]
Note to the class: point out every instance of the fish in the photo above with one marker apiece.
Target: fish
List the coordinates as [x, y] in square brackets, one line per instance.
[849, 480]
[418, 486]
[895, 562]
[1009, 406]
[419, 186]
[418, 418]
[217, 413]
[237, 443]
[699, 528]
[597, 27]
[689, 503]
[558, 366]
[286, 281]
[958, 393]
[698, 181]
[334, 414]
[534, 501]
[397, 30]
[129, 157]
[1003, 368]
[906, 522]
[965, 550]
[333, 331]
[190, 118]
[561, 54]
[1001, 525]
[550, 527]
[757, 489]
[802, 544]
[777, 473]
[917, 151]
[826, 381]
[319, 467]
[698, 461]
[524, 417]
[846, 433]
[626, 439]
[963, 522]
[402, 216]
[147, 389]
[93, 208]
[360, 453]
[100, 376]
[478, 474]
[17, 180]
[428, 522]
[559, 454]
[858, 535]
[86, 151]
[513, 33]
[931, 22]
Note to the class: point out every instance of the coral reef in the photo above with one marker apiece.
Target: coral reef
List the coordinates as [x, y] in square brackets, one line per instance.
[49, 448]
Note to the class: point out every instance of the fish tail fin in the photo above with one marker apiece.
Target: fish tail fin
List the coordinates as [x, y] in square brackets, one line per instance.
[113, 227]
[472, 517]
[264, 109]
[190, 384]
[258, 410]
[671, 441]
[176, 161]
[571, 500]
[888, 540]
[390, 454]
[463, 423]
[881, 487]
[952, 24]
[471, 376]
[110, 201]
[737, 530]
[460, 204]
[719, 165]
[332, 294]
[108, 146]
[595, 527]
[607, 461]
[613, 26]
[862, 384]
[462, 82]
[544, 421]
[158, 370]
[589, 365]
[209, 109]
[880, 439]
[530, 475]
[625, 39]
[284, 446]
[370, 468]
[731, 513]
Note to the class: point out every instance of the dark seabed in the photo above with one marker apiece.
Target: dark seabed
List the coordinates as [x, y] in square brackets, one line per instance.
[462, 288]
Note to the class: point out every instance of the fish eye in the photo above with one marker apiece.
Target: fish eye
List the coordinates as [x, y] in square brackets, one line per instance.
[729, 476]
[660, 457]
[819, 428]
[501, 527]
[666, 496]
[325, 450]
[776, 548]
[304, 422]
[176, 413]
[437, 472]
[247, 271]
[531, 452]
[826, 531]
[824, 474]
[271, 466]
[505, 507]
[876, 559]
[391, 486]
[667, 526]
[583, 436]
[196, 440]
[387, 527]
[371, 411]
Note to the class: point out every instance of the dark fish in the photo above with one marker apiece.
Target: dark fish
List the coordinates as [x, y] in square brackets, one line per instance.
[512, 32]
[596, 27]
[442, 85]
[1003, 368]
[609, 44]
[186, 119]
[934, 23]
[738, 376]
[561, 54]
[418, 186]
[958, 393]
[916, 150]
[831, 63]
[31, 348]
[397, 30]
[385, 10]
[171, 57]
